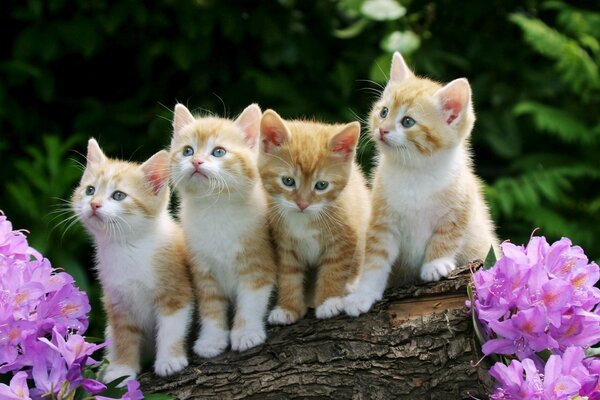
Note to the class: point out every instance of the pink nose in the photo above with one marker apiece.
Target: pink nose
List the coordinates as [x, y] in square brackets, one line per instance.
[302, 204]
[95, 206]
[197, 163]
[383, 132]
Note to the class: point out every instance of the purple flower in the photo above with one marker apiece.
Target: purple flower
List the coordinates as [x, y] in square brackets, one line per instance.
[538, 297]
[42, 319]
[18, 387]
[133, 392]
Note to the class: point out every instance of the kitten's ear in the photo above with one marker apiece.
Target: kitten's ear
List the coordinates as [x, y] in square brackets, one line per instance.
[454, 99]
[181, 118]
[273, 132]
[94, 153]
[344, 142]
[249, 123]
[399, 70]
[156, 171]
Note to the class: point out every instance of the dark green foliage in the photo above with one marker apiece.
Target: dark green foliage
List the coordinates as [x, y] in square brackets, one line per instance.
[114, 70]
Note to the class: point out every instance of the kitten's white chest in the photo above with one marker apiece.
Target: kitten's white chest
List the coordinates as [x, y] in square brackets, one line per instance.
[128, 279]
[415, 211]
[217, 237]
[308, 239]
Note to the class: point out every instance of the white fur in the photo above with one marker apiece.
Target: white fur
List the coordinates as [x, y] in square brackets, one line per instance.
[437, 269]
[115, 371]
[280, 316]
[309, 246]
[330, 308]
[252, 305]
[213, 340]
[171, 330]
[370, 289]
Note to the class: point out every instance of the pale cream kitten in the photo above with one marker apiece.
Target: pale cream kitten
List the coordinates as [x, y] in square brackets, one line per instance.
[319, 213]
[429, 214]
[141, 260]
[223, 214]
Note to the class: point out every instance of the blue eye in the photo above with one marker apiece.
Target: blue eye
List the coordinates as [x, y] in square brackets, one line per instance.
[321, 185]
[90, 190]
[288, 181]
[384, 112]
[188, 151]
[219, 152]
[118, 195]
[408, 122]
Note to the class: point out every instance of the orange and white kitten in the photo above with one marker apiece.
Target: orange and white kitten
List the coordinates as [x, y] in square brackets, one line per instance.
[223, 214]
[141, 260]
[428, 212]
[319, 210]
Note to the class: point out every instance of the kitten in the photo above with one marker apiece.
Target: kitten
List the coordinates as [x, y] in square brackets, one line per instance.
[141, 260]
[319, 210]
[428, 210]
[223, 214]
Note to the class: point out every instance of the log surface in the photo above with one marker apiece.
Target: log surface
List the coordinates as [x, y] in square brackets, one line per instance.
[415, 344]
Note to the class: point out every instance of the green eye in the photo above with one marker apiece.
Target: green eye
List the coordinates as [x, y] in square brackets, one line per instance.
[90, 190]
[321, 185]
[219, 152]
[384, 112]
[118, 195]
[288, 181]
[408, 122]
[188, 151]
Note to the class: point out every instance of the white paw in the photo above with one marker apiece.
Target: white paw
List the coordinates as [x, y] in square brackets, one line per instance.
[330, 308]
[281, 316]
[244, 339]
[170, 365]
[211, 345]
[437, 269]
[359, 302]
[115, 371]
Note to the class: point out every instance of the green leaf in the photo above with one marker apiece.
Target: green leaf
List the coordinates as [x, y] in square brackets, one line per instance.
[490, 259]
[158, 396]
[592, 351]
[382, 10]
[404, 42]
[352, 31]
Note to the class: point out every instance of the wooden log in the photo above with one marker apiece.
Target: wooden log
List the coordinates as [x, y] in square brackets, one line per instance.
[417, 343]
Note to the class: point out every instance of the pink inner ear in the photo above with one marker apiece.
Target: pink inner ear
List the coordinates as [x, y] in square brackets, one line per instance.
[452, 109]
[344, 145]
[272, 138]
[157, 180]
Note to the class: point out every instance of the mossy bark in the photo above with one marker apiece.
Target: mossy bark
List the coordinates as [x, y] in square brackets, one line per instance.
[415, 344]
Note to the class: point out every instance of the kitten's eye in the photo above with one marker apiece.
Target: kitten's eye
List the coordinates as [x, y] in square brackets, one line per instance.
[321, 185]
[188, 151]
[219, 152]
[90, 190]
[384, 112]
[408, 122]
[288, 181]
[118, 195]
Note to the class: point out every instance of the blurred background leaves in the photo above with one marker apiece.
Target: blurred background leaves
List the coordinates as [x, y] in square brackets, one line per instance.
[114, 70]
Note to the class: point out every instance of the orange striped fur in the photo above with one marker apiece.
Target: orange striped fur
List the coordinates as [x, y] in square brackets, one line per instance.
[223, 213]
[313, 229]
[428, 213]
[142, 261]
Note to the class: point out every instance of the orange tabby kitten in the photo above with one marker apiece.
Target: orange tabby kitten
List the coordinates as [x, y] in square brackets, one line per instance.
[141, 260]
[428, 212]
[318, 211]
[223, 214]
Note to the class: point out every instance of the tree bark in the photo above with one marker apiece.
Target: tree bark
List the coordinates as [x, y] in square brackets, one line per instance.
[417, 343]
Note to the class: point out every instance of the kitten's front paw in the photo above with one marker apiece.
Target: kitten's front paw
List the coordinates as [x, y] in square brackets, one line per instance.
[170, 365]
[244, 339]
[359, 303]
[330, 308]
[115, 371]
[282, 316]
[437, 269]
[208, 346]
